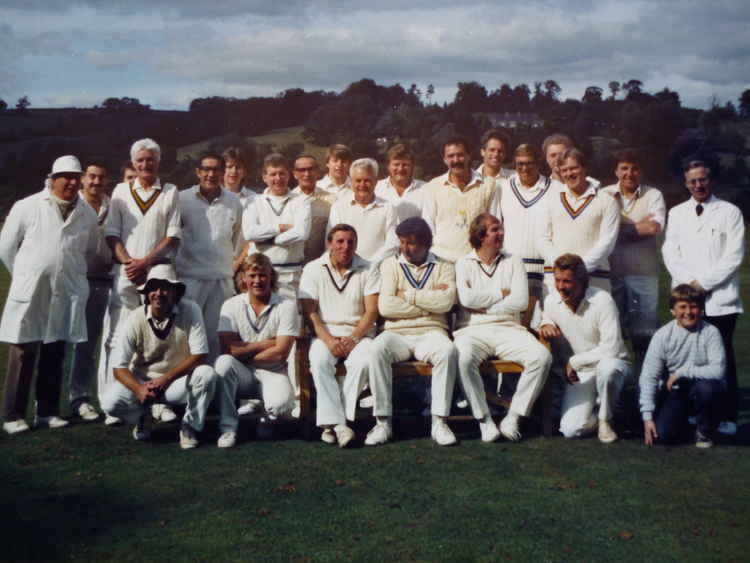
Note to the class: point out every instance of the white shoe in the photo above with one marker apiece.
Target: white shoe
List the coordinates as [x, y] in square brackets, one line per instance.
[367, 402]
[607, 435]
[489, 430]
[50, 422]
[87, 412]
[328, 436]
[156, 411]
[509, 428]
[110, 420]
[167, 414]
[188, 440]
[227, 440]
[462, 404]
[379, 434]
[249, 406]
[441, 433]
[142, 430]
[344, 434]
[727, 427]
[16, 426]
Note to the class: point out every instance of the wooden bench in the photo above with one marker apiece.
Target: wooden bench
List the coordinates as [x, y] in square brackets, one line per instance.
[490, 367]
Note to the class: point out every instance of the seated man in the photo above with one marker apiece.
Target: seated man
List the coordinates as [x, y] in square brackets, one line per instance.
[493, 291]
[587, 317]
[159, 357]
[339, 296]
[683, 372]
[417, 291]
[256, 333]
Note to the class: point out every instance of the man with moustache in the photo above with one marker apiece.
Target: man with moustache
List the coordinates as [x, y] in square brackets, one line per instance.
[142, 230]
[453, 200]
[598, 367]
[211, 235]
[704, 246]
[339, 296]
[400, 188]
[495, 146]
[44, 244]
[99, 274]
[373, 218]
[634, 262]
[307, 172]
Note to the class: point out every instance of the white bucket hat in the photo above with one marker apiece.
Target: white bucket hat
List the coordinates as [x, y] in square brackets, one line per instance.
[163, 273]
[63, 164]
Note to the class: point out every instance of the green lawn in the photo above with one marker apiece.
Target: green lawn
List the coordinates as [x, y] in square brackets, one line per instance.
[92, 493]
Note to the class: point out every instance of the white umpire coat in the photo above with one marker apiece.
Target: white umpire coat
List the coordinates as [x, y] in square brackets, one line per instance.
[46, 257]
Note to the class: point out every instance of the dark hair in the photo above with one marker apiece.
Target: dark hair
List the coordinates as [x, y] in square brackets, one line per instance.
[212, 155]
[626, 155]
[98, 164]
[576, 154]
[686, 292]
[415, 226]
[574, 263]
[236, 154]
[457, 140]
[340, 151]
[127, 165]
[478, 228]
[498, 136]
[399, 150]
[341, 227]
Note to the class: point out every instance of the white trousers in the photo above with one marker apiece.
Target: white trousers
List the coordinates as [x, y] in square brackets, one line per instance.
[579, 399]
[195, 390]
[122, 299]
[334, 403]
[434, 347]
[210, 296]
[237, 379]
[509, 343]
[82, 369]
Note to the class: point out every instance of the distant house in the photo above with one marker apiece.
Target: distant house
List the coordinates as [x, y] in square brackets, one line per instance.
[514, 120]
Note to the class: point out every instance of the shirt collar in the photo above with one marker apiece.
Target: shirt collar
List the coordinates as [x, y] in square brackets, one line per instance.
[200, 195]
[358, 263]
[712, 198]
[156, 185]
[376, 202]
[474, 256]
[274, 300]
[174, 311]
[431, 259]
[475, 180]
[590, 191]
[389, 186]
[267, 193]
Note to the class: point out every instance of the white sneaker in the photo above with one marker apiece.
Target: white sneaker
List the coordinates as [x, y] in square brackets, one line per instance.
[16, 426]
[188, 440]
[509, 428]
[607, 435]
[379, 434]
[142, 430]
[156, 411]
[249, 406]
[489, 430]
[227, 440]
[87, 412]
[167, 414]
[344, 434]
[53, 421]
[727, 427]
[442, 434]
[110, 420]
[328, 436]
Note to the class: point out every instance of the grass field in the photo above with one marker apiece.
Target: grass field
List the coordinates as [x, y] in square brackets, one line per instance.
[91, 493]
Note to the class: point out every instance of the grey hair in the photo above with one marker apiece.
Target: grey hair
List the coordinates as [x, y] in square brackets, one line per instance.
[365, 163]
[145, 145]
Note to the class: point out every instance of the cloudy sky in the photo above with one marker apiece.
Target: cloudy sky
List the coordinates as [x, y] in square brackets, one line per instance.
[165, 53]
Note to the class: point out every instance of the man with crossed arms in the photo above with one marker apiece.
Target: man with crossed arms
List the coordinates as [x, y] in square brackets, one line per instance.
[493, 291]
[339, 296]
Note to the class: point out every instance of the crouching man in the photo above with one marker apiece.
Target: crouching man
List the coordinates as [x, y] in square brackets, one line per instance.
[683, 373]
[256, 333]
[159, 358]
[339, 294]
[417, 290]
[587, 317]
[493, 291]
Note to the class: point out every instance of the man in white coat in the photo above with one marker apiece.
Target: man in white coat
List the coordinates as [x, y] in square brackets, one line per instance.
[211, 236]
[44, 244]
[143, 230]
[339, 296]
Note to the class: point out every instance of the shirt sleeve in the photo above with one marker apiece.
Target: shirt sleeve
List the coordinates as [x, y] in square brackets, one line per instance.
[227, 322]
[252, 228]
[518, 298]
[672, 253]
[308, 286]
[713, 351]
[651, 372]
[390, 244]
[372, 281]
[472, 297]
[436, 300]
[609, 228]
[197, 340]
[544, 245]
[610, 337]
[300, 231]
[174, 221]
[658, 208]
[289, 322]
[729, 240]
[12, 235]
[113, 223]
[125, 345]
[428, 207]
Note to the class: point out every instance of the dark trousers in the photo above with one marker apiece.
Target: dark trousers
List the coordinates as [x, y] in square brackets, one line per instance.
[726, 324]
[21, 359]
[703, 397]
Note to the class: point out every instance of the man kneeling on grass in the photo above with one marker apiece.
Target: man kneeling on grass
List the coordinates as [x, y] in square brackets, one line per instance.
[159, 358]
[683, 373]
[256, 333]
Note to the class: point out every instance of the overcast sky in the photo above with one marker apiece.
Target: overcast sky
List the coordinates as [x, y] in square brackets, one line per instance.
[167, 52]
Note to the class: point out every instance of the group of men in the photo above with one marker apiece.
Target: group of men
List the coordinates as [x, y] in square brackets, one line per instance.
[199, 295]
